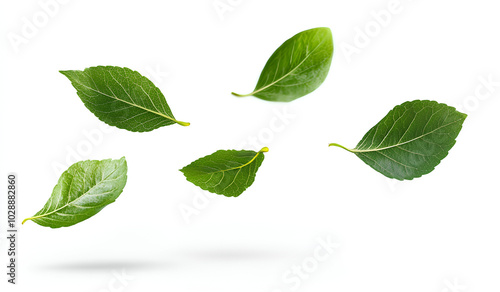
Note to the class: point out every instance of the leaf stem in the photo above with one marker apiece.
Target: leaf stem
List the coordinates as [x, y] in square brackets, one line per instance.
[241, 95]
[338, 145]
[185, 124]
[264, 149]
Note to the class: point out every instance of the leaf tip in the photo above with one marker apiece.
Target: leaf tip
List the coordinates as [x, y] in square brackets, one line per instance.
[324, 28]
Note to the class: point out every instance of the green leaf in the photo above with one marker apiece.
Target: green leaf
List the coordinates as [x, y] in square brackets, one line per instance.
[82, 191]
[298, 67]
[411, 140]
[122, 98]
[225, 172]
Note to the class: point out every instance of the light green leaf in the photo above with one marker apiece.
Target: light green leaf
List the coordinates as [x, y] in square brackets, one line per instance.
[411, 140]
[298, 67]
[122, 98]
[225, 172]
[82, 191]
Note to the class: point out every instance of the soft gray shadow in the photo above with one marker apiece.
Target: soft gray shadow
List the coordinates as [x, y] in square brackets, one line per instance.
[107, 266]
[238, 254]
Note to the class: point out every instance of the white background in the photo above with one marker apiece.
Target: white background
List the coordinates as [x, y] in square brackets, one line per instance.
[440, 232]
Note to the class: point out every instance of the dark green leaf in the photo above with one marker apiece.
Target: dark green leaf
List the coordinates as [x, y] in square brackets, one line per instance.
[123, 98]
[225, 172]
[82, 191]
[411, 140]
[298, 67]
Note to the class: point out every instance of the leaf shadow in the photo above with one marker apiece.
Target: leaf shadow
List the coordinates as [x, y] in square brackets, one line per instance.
[107, 265]
[221, 254]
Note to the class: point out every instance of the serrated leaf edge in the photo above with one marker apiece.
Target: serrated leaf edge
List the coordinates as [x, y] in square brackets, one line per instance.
[69, 203]
[129, 103]
[264, 149]
[284, 76]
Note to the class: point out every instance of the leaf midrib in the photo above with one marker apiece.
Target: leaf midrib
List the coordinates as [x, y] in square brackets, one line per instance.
[69, 203]
[233, 168]
[289, 73]
[398, 144]
[129, 103]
